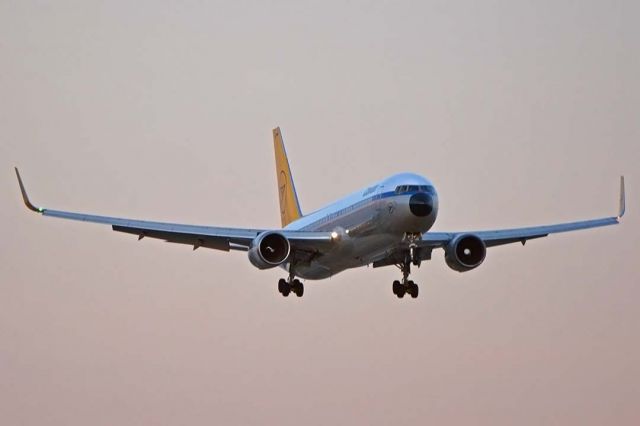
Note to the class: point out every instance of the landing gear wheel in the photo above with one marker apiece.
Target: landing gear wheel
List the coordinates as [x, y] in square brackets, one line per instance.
[412, 289]
[406, 285]
[284, 287]
[298, 288]
[396, 287]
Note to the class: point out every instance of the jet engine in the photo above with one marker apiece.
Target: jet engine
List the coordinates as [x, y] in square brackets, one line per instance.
[269, 250]
[465, 252]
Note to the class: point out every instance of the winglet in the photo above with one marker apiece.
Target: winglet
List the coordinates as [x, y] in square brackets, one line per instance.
[622, 207]
[25, 197]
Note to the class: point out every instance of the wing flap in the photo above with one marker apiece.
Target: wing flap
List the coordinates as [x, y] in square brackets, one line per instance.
[195, 240]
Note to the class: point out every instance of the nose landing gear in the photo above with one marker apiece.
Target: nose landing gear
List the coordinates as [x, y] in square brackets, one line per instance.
[406, 285]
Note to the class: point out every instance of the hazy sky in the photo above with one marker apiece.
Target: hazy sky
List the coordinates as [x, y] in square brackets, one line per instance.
[521, 113]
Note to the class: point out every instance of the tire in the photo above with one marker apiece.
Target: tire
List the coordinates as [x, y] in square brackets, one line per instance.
[414, 290]
[396, 287]
[298, 288]
[282, 285]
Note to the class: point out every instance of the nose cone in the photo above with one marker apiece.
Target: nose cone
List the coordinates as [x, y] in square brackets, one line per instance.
[421, 204]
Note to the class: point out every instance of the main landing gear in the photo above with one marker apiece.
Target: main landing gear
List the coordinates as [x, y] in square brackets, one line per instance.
[406, 286]
[291, 285]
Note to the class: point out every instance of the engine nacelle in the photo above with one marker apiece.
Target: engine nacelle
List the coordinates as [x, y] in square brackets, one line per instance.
[269, 250]
[465, 252]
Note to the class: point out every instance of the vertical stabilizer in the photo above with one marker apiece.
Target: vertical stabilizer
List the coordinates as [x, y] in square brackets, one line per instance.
[289, 205]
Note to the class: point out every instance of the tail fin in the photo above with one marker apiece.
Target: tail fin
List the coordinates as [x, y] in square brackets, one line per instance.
[289, 205]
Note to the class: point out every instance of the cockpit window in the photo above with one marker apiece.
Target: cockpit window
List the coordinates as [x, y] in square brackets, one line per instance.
[415, 188]
[428, 189]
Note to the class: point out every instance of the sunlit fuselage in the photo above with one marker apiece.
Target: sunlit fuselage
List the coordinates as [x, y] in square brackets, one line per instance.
[368, 223]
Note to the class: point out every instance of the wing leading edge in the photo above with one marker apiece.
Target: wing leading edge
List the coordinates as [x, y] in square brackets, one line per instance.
[507, 236]
[218, 238]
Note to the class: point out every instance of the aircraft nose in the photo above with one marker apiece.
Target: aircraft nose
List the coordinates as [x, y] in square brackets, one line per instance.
[421, 204]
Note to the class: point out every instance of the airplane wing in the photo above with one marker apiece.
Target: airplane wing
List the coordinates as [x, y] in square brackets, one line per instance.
[521, 235]
[491, 238]
[196, 236]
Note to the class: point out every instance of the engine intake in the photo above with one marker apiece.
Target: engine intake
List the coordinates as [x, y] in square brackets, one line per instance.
[465, 252]
[269, 250]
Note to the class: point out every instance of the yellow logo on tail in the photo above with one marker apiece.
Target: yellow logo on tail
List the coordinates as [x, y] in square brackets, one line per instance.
[289, 205]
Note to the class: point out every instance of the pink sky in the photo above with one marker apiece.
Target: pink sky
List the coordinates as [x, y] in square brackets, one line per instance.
[522, 113]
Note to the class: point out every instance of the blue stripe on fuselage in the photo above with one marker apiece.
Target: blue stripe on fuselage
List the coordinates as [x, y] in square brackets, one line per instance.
[360, 200]
[330, 216]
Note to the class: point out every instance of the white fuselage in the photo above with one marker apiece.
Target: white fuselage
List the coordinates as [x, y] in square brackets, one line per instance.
[369, 223]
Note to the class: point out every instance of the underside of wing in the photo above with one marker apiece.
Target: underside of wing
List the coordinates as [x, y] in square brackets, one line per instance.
[197, 236]
[515, 235]
[219, 238]
[421, 249]
[507, 236]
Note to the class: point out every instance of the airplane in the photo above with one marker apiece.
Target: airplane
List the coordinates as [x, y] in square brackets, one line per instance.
[387, 223]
